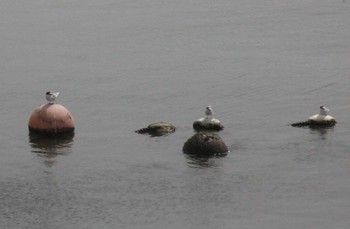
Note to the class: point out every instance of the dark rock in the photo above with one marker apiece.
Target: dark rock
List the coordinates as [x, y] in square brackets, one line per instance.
[313, 123]
[205, 144]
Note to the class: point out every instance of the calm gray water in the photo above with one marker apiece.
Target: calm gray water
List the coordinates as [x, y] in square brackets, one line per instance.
[121, 65]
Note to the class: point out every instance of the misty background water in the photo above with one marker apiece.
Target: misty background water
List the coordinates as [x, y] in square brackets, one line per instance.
[121, 65]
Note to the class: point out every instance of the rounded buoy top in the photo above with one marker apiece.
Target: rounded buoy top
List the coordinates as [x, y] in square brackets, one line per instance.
[51, 118]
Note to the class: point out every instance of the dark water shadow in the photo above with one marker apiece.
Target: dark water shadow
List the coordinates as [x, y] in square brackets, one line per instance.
[50, 147]
[155, 135]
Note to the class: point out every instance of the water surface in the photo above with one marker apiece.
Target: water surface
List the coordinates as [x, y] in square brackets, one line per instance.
[121, 65]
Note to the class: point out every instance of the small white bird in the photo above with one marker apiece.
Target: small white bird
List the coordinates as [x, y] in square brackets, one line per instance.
[209, 111]
[51, 96]
[324, 110]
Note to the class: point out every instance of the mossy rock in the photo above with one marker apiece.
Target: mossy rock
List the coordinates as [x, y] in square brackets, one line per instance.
[157, 129]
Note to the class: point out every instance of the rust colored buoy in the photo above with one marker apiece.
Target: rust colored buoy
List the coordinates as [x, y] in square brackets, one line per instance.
[51, 119]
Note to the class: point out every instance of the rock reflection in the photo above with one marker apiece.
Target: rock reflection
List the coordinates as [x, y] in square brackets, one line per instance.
[51, 146]
[203, 162]
[321, 131]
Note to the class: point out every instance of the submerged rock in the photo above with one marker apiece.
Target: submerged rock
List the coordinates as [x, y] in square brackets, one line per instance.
[158, 129]
[313, 123]
[205, 144]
